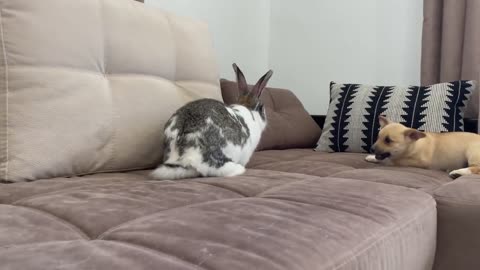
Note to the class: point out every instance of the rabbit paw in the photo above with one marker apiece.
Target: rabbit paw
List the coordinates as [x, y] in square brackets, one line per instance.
[231, 169]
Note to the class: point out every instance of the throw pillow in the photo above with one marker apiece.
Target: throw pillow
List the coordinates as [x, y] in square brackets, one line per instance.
[352, 119]
[289, 125]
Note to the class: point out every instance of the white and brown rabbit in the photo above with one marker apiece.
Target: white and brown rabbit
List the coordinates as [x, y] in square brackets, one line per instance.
[206, 138]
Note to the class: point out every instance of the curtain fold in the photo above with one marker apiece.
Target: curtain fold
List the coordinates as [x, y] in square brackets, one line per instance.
[451, 44]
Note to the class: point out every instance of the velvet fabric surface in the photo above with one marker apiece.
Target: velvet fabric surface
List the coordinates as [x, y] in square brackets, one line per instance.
[335, 218]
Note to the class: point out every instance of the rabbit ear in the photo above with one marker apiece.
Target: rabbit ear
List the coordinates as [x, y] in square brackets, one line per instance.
[262, 83]
[241, 81]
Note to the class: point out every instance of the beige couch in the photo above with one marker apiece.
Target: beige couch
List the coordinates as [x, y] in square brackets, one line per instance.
[86, 87]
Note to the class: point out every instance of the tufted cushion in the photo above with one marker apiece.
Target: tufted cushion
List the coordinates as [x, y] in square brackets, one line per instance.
[87, 86]
[261, 220]
[347, 165]
[285, 113]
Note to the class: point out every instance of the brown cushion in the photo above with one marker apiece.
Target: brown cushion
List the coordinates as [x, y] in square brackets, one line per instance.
[289, 124]
[262, 220]
[87, 86]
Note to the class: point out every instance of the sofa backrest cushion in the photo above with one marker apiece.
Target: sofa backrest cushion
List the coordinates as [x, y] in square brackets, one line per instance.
[288, 123]
[87, 86]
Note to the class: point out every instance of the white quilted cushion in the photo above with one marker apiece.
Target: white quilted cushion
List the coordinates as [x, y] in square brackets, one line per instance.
[87, 86]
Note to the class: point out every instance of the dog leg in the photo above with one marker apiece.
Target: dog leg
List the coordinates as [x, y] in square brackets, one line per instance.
[473, 157]
[461, 172]
[372, 159]
[465, 171]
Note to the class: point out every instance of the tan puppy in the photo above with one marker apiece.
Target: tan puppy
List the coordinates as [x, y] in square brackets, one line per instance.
[455, 152]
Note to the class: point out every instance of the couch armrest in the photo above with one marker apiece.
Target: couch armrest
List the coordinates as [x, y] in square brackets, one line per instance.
[471, 124]
[458, 232]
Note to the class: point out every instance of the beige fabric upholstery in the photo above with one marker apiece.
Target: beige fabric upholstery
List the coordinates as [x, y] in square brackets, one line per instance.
[87, 86]
[458, 236]
[261, 220]
[348, 166]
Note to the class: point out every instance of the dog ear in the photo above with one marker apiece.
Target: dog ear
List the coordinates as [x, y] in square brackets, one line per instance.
[414, 134]
[383, 120]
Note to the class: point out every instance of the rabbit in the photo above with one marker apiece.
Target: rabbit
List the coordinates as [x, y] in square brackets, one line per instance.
[206, 138]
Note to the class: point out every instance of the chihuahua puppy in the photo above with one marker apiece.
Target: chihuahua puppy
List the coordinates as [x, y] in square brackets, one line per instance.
[455, 152]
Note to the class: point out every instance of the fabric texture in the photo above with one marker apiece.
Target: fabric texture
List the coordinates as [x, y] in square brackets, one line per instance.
[451, 44]
[285, 113]
[260, 220]
[78, 93]
[352, 120]
[458, 205]
[347, 166]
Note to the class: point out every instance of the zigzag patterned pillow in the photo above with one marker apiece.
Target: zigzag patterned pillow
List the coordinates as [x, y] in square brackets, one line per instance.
[352, 118]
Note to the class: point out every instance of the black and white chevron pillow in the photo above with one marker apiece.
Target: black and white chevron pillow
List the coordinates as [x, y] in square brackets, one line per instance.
[352, 118]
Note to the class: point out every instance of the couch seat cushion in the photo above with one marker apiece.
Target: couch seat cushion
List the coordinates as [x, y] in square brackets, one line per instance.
[346, 165]
[458, 228]
[261, 220]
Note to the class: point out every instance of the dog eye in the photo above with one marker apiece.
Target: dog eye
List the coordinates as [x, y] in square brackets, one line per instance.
[388, 140]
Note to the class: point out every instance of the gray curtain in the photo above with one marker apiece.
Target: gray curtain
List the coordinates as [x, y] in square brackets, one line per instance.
[451, 44]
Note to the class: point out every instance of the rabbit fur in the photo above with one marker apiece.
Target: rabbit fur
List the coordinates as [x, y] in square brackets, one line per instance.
[206, 138]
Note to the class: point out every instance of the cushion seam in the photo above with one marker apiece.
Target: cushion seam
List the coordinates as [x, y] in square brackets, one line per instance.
[52, 193]
[113, 195]
[116, 74]
[61, 190]
[51, 216]
[403, 172]
[4, 51]
[123, 170]
[223, 188]
[320, 205]
[104, 39]
[174, 43]
[85, 70]
[10, 246]
[111, 159]
[138, 219]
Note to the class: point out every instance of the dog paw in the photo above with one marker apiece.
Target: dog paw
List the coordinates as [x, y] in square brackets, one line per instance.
[459, 173]
[372, 159]
[455, 175]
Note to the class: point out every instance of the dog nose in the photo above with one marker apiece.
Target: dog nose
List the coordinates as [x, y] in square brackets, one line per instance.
[372, 149]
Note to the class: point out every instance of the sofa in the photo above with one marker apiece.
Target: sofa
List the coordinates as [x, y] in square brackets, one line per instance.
[88, 86]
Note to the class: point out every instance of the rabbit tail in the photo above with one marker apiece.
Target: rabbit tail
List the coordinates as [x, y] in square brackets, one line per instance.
[168, 171]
